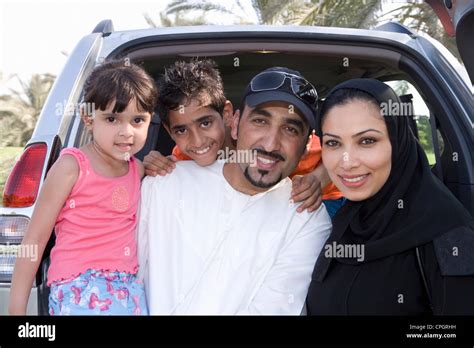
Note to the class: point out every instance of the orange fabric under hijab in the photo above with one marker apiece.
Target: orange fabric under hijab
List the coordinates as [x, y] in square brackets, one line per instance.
[310, 161]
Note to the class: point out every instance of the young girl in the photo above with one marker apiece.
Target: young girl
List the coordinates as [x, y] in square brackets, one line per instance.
[90, 197]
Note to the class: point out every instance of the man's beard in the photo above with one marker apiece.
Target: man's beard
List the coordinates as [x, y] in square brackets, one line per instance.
[260, 182]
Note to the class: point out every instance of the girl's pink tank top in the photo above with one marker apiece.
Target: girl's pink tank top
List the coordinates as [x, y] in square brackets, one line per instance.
[96, 228]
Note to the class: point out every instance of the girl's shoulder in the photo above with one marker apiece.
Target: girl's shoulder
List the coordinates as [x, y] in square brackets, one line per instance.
[75, 152]
[66, 166]
[74, 161]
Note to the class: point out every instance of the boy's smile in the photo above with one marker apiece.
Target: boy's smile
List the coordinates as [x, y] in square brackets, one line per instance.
[198, 131]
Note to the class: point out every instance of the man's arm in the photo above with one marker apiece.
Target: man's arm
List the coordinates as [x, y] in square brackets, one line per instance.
[321, 173]
[157, 164]
[285, 287]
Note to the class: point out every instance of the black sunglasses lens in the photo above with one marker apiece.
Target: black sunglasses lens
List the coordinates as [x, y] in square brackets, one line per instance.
[266, 81]
[304, 90]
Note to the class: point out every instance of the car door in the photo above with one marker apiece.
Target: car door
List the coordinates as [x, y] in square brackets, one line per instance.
[457, 17]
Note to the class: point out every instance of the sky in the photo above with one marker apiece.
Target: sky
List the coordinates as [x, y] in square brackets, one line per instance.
[36, 36]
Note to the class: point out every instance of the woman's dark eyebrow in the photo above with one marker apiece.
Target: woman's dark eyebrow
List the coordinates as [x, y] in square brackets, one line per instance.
[332, 135]
[355, 135]
[367, 130]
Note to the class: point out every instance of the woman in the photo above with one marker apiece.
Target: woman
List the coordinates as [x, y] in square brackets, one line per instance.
[402, 244]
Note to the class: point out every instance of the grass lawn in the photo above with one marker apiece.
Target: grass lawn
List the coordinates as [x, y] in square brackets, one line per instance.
[7, 160]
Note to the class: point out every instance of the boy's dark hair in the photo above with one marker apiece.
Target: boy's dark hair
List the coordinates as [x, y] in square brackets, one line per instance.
[121, 81]
[184, 81]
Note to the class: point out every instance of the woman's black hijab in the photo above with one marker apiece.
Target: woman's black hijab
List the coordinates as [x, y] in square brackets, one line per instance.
[411, 209]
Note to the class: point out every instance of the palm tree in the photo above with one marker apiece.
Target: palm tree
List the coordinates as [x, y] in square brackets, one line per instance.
[271, 11]
[19, 111]
[422, 18]
[299, 12]
[11, 121]
[178, 20]
[333, 13]
[266, 11]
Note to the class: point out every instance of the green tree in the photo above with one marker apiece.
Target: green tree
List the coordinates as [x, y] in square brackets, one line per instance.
[178, 19]
[266, 11]
[421, 18]
[297, 12]
[19, 111]
[334, 13]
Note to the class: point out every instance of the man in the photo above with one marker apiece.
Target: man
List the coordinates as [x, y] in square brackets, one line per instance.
[223, 239]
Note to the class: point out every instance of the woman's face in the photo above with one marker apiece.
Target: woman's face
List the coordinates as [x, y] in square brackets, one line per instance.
[356, 149]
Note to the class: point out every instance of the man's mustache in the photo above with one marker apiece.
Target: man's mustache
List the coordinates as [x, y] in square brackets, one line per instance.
[274, 154]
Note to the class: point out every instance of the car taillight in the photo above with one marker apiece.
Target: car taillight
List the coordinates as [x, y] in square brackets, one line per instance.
[12, 230]
[23, 183]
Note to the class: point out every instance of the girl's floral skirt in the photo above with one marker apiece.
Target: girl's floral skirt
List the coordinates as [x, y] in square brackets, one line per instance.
[98, 293]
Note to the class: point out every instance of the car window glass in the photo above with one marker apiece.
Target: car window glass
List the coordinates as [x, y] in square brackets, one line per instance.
[421, 115]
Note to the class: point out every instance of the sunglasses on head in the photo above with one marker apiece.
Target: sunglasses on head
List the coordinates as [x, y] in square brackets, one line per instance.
[271, 80]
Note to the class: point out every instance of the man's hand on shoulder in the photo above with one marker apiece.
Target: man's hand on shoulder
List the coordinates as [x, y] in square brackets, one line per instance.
[157, 164]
